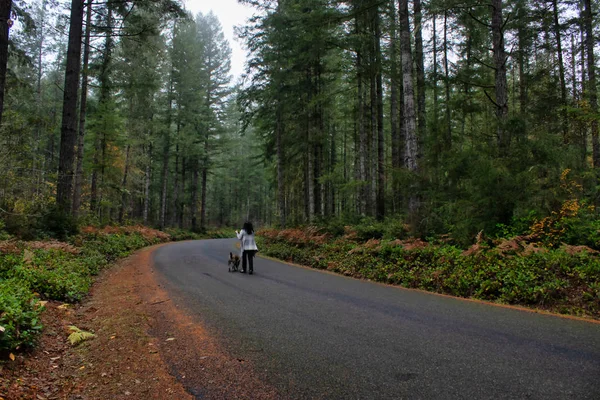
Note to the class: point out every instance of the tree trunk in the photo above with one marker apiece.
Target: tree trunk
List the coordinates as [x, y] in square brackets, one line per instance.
[332, 165]
[165, 158]
[194, 197]
[501, 85]
[82, 113]
[591, 84]
[105, 93]
[362, 132]
[420, 69]
[68, 134]
[124, 186]
[5, 24]
[395, 135]
[203, 190]
[561, 72]
[147, 176]
[436, 121]
[380, 211]
[280, 166]
[372, 177]
[412, 149]
[310, 153]
[448, 130]
[40, 123]
[180, 205]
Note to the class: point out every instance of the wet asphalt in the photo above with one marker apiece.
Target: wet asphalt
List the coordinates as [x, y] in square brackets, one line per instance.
[315, 335]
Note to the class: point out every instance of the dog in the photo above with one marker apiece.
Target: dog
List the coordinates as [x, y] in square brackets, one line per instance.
[233, 263]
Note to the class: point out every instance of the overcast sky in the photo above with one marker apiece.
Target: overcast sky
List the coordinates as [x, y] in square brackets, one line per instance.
[230, 13]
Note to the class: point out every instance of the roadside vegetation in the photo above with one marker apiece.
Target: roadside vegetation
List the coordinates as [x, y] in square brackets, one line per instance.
[551, 264]
[32, 272]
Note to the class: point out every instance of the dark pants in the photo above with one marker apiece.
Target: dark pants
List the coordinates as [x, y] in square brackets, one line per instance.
[250, 255]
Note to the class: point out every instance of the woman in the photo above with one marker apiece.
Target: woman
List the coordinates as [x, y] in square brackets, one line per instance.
[249, 249]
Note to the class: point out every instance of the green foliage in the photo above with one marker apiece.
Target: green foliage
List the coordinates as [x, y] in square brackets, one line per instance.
[19, 315]
[57, 223]
[54, 274]
[77, 336]
[57, 274]
[553, 279]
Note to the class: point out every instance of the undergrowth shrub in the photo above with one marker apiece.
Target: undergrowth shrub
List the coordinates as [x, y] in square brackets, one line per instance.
[554, 279]
[19, 315]
[57, 271]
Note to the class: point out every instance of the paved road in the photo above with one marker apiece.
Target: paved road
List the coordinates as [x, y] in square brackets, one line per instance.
[318, 335]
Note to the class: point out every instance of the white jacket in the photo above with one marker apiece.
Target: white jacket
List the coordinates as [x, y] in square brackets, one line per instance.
[248, 242]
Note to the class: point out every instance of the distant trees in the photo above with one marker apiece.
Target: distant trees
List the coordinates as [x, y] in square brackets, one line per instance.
[442, 116]
[466, 121]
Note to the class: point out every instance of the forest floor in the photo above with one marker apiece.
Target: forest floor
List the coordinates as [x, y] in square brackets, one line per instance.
[144, 348]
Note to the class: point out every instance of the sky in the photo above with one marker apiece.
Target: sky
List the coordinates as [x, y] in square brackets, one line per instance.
[230, 13]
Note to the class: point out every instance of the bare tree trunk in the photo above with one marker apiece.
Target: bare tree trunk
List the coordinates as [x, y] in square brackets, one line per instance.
[166, 150]
[280, 166]
[147, 176]
[395, 135]
[5, 24]
[420, 69]
[124, 186]
[105, 93]
[68, 134]
[332, 165]
[372, 176]
[176, 197]
[592, 90]
[35, 170]
[203, 189]
[436, 120]
[561, 71]
[180, 205]
[310, 151]
[412, 144]
[82, 113]
[448, 130]
[362, 133]
[380, 211]
[501, 86]
[194, 188]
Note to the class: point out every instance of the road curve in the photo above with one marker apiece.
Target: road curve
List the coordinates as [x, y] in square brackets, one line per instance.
[319, 335]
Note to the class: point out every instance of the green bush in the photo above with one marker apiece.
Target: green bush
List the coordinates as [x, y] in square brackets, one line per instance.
[19, 315]
[58, 275]
[552, 279]
[57, 224]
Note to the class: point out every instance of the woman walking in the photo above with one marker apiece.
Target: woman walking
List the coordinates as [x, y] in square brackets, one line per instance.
[249, 249]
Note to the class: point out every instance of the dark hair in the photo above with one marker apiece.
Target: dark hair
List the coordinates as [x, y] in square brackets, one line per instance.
[248, 227]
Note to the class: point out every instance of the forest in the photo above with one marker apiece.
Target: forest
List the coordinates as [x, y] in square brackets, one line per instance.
[433, 118]
[449, 146]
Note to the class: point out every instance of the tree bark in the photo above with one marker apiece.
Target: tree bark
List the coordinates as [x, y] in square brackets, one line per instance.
[362, 133]
[501, 85]
[105, 93]
[591, 84]
[395, 136]
[165, 160]
[124, 186]
[147, 176]
[68, 134]
[420, 70]
[412, 145]
[561, 71]
[380, 211]
[82, 113]
[5, 24]
[448, 130]
[280, 166]
[194, 197]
